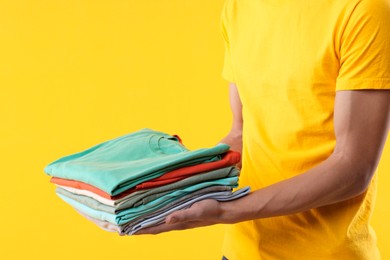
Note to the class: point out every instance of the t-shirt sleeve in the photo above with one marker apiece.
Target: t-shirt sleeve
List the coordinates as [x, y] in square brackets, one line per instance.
[227, 69]
[364, 50]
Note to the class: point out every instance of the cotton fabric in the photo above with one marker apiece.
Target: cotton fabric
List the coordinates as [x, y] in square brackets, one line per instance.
[158, 217]
[120, 164]
[135, 181]
[143, 197]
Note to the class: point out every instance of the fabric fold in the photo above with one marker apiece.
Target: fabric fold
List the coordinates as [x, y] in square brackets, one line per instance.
[120, 164]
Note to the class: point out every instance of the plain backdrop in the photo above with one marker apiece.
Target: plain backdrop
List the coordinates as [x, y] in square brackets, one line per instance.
[74, 73]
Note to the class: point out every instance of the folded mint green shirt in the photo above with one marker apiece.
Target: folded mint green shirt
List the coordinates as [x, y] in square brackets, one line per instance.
[117, 165]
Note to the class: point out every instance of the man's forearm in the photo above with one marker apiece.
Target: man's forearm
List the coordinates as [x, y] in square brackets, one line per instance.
[334, 180]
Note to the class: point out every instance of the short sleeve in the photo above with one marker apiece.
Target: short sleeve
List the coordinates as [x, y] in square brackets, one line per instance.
[364, 50]
[227, 69]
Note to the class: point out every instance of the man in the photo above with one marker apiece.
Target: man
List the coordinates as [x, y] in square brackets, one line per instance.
[310, 99]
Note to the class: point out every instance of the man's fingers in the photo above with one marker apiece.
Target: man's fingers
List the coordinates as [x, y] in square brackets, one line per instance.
[164, 228]
[198, 215]
[180, 216]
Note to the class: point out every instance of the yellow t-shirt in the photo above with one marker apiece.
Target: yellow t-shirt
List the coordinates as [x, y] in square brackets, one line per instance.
[288, 58]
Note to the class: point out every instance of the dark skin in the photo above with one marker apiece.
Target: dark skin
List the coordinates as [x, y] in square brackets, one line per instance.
[361, 121]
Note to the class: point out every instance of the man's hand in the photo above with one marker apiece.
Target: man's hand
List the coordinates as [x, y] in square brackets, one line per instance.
[234, 137]
[203, 213]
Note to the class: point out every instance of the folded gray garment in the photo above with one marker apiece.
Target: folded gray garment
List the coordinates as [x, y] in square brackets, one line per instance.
[184, 199]
[145, 196]
[157, 192]
[106, 225]
[160, 218]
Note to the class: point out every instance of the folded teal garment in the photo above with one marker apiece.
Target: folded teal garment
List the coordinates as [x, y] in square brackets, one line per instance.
[117, 165]
[140, 198]
[132, 213]
[157, 192]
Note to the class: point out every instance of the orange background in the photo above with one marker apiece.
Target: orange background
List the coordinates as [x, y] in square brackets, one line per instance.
[77, 72]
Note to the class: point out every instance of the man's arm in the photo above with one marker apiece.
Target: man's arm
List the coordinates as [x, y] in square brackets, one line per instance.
[234, 137]
[361, 120]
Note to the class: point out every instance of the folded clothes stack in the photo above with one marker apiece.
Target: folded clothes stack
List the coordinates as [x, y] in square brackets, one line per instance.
[136, 180]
